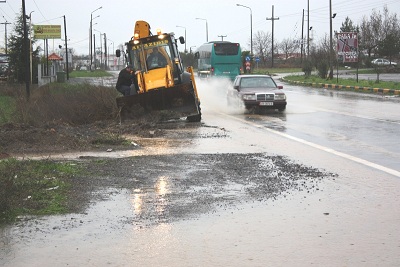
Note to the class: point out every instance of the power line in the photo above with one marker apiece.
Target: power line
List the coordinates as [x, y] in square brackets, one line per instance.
[39, 10]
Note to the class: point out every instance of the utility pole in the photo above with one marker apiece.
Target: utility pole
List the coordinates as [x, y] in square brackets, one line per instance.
[94, 50]
[302, 39]
[272, 19]
[222, 37]
[308, 28]
[105, 51]
[330, 42]
[30, 44]
[26, 50]
[5, 35]
[66, 46]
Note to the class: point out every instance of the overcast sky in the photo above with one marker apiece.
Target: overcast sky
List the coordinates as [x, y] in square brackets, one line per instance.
[224, 17]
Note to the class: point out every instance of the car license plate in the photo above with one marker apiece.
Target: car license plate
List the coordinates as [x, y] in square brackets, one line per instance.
[266, 103]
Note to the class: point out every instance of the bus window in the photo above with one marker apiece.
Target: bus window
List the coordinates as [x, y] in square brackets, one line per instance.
[226, 49]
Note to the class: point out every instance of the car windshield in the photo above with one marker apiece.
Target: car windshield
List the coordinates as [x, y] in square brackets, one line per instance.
[257, 82]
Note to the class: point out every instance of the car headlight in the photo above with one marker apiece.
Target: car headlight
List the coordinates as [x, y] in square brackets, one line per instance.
[280, 97]
[249, 97]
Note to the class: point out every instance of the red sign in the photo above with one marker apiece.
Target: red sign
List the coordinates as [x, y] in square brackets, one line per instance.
[347, 46]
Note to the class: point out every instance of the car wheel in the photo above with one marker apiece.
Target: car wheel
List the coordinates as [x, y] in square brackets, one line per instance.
[281, 109]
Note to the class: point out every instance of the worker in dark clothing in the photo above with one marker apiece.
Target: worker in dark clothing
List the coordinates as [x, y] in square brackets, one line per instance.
[125, 80]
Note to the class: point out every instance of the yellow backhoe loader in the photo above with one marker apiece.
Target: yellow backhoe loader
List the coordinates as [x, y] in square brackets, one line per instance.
[163, 83]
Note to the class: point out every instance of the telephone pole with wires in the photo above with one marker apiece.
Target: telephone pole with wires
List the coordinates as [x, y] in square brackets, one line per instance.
[26, 50]
[5, 34]
[222, 37]
[272, 19]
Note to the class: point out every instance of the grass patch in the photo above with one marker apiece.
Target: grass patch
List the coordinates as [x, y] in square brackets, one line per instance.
[74, 104]
[34, 188]
[7, 109]
[86, 73]
[271, 71]
[344, 82]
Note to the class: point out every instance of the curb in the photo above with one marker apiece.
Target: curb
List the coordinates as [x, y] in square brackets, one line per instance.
[354, 88]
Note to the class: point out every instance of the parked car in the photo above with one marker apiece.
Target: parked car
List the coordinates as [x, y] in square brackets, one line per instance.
[257, 92]
[383, 62]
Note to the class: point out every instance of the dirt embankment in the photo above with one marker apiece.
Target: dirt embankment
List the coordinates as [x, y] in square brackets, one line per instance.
[75, 118]
[22, 139]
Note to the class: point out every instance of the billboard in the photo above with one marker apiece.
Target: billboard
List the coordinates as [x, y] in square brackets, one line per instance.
[347, 46]
[47, 31]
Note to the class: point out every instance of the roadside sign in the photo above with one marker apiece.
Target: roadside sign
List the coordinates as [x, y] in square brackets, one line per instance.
[247, 58]
[47, 31]
[299, 41]
[347, 46]
[257, 59]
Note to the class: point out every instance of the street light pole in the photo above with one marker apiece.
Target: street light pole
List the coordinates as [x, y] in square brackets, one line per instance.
[185, 36]
[112, 43]
[109, 52]
[251, 27]
[206, 28]
[91, 34]
[101, 47]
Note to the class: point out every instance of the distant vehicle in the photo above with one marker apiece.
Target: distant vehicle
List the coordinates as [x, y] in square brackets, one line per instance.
[4, 67]
[4, 58]
[257, 92]
[383, 62]
[4, 71]
[220, 59]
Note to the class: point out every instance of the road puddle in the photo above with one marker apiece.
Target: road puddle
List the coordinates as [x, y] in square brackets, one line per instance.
[297, 230]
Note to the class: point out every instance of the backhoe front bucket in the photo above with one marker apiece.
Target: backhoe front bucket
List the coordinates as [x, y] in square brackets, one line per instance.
[180, 100]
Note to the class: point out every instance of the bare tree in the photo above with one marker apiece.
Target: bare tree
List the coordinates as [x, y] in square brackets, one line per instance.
[320, 56]
[288, 47]
[262, 43]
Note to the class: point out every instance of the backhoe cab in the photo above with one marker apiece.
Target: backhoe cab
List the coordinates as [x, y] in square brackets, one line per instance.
[163, 83]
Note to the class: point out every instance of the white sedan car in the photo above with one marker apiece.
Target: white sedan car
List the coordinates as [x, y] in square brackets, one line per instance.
[383, 62]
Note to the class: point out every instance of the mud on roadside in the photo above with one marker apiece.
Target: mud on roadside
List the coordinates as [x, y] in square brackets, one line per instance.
[169, 187]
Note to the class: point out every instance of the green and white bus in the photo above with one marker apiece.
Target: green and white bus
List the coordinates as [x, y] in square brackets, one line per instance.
[219, 59]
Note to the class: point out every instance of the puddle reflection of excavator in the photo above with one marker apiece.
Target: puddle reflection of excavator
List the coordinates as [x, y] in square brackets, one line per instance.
[163, 83]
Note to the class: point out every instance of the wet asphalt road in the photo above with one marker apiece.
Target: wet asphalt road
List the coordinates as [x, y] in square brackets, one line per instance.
[316, 185]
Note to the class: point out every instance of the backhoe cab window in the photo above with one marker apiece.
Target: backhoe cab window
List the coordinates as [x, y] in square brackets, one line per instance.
[158, 57]
[142, 56]
[135, 59]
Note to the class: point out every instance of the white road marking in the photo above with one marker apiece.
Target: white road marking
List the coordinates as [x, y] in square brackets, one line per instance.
[358, 116]
[323, 148]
